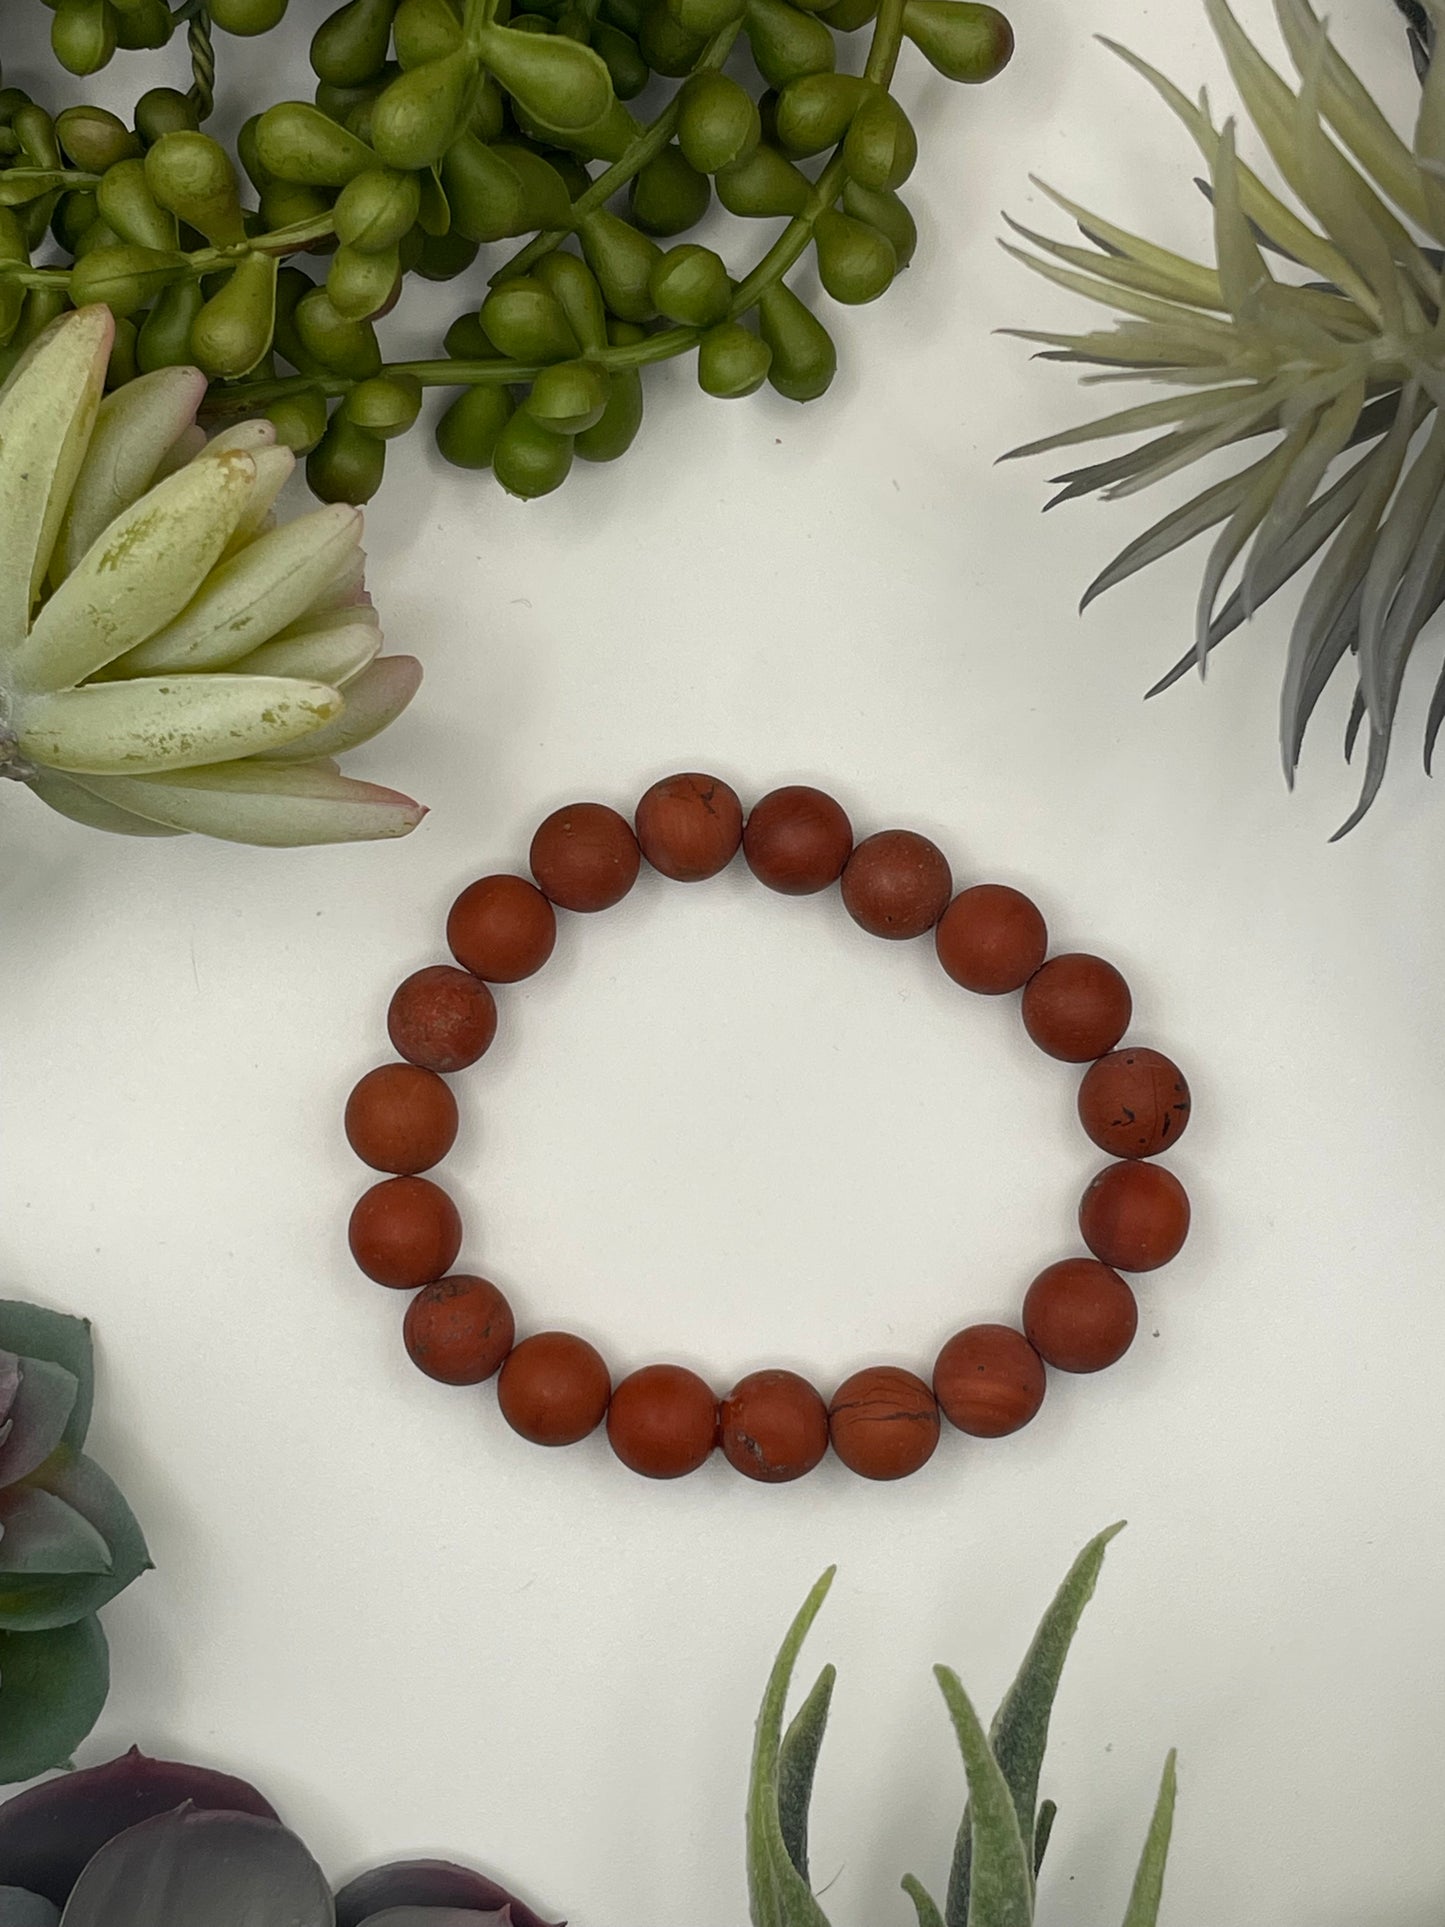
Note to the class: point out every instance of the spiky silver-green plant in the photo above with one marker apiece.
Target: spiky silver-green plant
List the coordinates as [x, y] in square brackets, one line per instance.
[1005, 1829]
[1323, 331]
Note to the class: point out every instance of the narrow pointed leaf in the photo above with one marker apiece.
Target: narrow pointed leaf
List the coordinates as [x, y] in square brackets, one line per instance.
[1020, 1730]
[1043, 1831]
[779, 1896]
[1148, 1889]
[1192, 411]
[925, 1906]
[137, 576]
[1121, 270]
[280, 805]
[1389, 608]
[1236, 533]
[797, 1764]
[1292, 500]
[1201, 280]
[1172, 531]
[1001, 1885]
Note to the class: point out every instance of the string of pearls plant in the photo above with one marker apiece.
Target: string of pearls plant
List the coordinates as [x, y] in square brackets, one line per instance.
[442, 127]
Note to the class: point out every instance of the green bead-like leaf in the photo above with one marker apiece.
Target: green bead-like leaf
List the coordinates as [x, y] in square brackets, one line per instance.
[52, 1688]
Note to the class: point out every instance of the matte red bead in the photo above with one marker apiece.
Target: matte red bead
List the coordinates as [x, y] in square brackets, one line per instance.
[774, 1427]
[442, 1018]
[797, 840]
[585, 857]
[502, 928]
[1080, 1316]
[554, 1388]
[1134, 1103]
[896, 884]
[690, 826]
[662, 1421]
[1135, 1216]
[991, 939]
[1076, 1007]
[884, 1422]
[405, 1232]
[459, 1330]
[401, 1118]
[989, 1381]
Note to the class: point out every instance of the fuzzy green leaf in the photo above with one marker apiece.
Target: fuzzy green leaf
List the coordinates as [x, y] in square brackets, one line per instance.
[924, 1904]
[1043, 1832]
[778, 1895]
[798, 1763]
[1000, 1880]
[1148, 1889]
[1020, 1730]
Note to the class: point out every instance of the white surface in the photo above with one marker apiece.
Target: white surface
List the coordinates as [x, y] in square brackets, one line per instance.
[729, 1129]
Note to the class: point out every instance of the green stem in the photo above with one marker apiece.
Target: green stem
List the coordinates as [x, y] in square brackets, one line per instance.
[648, 145]
[887, 40]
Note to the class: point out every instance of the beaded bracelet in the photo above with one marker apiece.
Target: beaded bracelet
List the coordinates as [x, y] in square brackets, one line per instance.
[1079, 1314]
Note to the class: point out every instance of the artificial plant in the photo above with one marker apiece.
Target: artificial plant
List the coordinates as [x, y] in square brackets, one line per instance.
[154, 1843]
[68, 1545]
[171, 660]
[442, 127]
[1005, 1828]
[1321, 334]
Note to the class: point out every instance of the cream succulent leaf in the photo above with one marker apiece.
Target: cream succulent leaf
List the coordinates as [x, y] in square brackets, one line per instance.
[1323, 368]
[153, 619]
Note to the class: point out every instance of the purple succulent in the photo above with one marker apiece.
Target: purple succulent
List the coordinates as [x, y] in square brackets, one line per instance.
[152, 1843]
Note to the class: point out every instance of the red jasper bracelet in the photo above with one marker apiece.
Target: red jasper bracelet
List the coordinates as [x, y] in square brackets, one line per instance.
[1079, 1314]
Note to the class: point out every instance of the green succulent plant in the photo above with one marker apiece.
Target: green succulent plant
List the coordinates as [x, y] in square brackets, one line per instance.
[1320, 331]
[68, 1544]
[1005, 1828]
[171, 660]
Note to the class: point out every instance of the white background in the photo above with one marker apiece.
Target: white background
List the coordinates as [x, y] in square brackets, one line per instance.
[728, 1129]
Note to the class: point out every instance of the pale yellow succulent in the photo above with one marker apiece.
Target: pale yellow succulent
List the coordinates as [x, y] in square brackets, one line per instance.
[170, 658]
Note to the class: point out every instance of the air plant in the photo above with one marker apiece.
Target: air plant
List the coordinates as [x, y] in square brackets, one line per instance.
[169, 659]
[153, 1843]
[1005, 1829]
[1323, 331]
[68, 1545]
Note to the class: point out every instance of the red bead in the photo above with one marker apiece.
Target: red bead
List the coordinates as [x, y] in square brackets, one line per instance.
[501, 928]
[774, 1427]
[1080, 1316]
[989, 1381]
[405, 1232]
[1134, 1103]
[442, 1018]
[896, 884]
[585, 857]
[554, 1388]
[1076, 1007]
[1135, 1216]
[991, 939]
[883, 1422]
[459, 1330]
[797, 840]
[401, 1118]
[690, 826]
[662, 1421]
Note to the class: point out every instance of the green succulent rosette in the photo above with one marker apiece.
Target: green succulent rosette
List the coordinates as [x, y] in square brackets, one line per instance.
[69, 1543]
